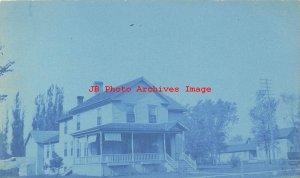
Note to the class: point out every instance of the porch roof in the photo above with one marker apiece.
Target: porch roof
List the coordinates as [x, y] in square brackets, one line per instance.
[43, 137]
[135, 127]
[240, 148]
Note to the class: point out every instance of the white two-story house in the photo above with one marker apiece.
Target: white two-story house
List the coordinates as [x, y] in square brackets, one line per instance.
[115, 133]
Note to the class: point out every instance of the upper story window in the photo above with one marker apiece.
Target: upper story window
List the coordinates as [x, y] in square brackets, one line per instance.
[52, 149]
[78, 122]
[71, 147]
[47, 152]
[99, 116]
[66, 149]
[152, 114]
[66, 127]
[130, 113]
[78, 149]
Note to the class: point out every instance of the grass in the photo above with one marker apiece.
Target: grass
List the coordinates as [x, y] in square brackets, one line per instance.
[249, 170]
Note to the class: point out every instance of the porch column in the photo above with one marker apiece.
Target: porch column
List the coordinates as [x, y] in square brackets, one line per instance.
[73, 150]
[182, 143]
[132, 147]
[101, 152]
[100, 137]
[87, 146]
[86, 149]
[165, 145]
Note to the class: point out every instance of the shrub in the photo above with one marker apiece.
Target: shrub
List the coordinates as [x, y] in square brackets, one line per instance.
[235, 161]
[10, 172]
[56, 162]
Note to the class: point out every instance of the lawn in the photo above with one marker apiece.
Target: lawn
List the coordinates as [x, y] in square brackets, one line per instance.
[247, 171]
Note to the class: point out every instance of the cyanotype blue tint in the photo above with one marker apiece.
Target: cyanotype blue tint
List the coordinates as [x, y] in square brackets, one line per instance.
[246, 53]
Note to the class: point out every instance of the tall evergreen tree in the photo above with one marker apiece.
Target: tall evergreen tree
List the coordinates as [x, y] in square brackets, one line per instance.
[17, 143]
[40, 114]
[47, 113]
[3, 139]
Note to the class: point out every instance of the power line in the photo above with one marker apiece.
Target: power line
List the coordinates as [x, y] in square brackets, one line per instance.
[271, 124]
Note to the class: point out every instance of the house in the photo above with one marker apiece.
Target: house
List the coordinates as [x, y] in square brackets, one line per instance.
[115, 133]
[246, 152]
[286, 140]
[39, 148]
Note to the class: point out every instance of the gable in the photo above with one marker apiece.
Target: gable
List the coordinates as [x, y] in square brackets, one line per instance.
[286, 133]
[104, 98]
[145, 97]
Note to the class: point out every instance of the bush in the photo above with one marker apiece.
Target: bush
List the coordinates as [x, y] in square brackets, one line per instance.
[235, 161]
[56, 162]
[10, 172]
[293, 155]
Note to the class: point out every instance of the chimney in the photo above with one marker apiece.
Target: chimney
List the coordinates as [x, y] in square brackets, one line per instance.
[79, 100]
[99, 84]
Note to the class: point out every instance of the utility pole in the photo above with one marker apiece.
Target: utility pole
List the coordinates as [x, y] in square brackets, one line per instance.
[271, 124]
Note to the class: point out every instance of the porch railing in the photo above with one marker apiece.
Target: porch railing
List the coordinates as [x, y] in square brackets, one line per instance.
[171, 161]
[119, 158]
[148, 156]
[116, 158]
[189, 160]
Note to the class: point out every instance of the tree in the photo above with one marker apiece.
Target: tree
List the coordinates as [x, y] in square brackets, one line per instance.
[290, 100]
[3, 140]
[236, 140]
[209, 122]
[4, 69]
[47, 113]
[3, 133]
[17, 144]
[56, 162]
[264, 123]
[38, 122]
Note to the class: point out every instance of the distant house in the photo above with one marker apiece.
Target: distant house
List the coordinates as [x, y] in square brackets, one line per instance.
[287, 140]
[246, 152]
[115, 133]
[39, 148]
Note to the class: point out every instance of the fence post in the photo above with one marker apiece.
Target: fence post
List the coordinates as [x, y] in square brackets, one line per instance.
[242, 168]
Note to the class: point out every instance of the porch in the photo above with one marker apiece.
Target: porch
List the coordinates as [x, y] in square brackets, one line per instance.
[121, 159]
[124, 148]
[130, 147]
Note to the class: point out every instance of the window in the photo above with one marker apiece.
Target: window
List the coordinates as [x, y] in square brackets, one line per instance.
[47, 153]
[71, 146]
[78, 123]
[152, 112]
[85, 149]
[130, 113]
[52, 150]
[66, 149]
[78, 149]
[99, 116]
[66, 128]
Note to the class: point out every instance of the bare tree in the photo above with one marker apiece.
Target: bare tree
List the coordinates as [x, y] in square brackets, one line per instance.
[4, 69]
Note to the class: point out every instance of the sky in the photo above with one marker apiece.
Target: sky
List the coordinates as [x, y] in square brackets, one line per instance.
[226, 45]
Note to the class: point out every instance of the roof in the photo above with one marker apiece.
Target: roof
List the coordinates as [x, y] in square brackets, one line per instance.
[239, 148]
[285, 132]
[103, 98]
[136, 127]
[44, 137]
[65, 116]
